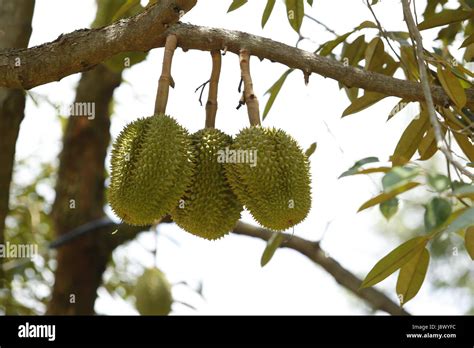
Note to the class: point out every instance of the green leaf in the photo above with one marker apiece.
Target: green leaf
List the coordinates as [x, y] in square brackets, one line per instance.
[383, 197]
[428, 145]
[267, 11]
[330, 45]
[389, 208]
[412, 275]
[362, 103]
[438, 182]
[370, 171]
[410, 139]
[374, 53]
[397, 177]
[126, 9]
[464, 191]
[295, 13]
[445, 17]
[310, 2]
[452, 86]
[465, 220]
[311, 150]
[236, 4]
[397, 108]
[469, 241]
[437, 211]
[355, 168]
[272, 245]
[274, 90]
[469, 40]
[394, 260]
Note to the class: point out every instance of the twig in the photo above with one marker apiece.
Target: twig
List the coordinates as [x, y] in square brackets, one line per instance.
[201, 87]
[211, 105]
[165, 78]
[250, 97]
[385, 34]
[312, 250]
[415, 34]
[315, 253]
[321, 24]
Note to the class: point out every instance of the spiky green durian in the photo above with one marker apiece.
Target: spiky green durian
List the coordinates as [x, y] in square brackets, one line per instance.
[151, 169]
[209, 209]
[153, 293]
[276, 188]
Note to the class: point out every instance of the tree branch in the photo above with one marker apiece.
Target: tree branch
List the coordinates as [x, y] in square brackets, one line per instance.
[80, 50]
[310, 249]
[15, 31]
[313, 251]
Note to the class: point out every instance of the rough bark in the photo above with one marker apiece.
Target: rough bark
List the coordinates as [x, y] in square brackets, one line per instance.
[15, 32]
[85, 48]
[80, 197]
[78, 51]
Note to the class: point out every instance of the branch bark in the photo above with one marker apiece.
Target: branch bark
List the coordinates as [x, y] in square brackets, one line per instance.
[313, 251]
[80, 50]
[80, 197]
[212, 104]
[249, 95]
[15, 32]
[165, 80]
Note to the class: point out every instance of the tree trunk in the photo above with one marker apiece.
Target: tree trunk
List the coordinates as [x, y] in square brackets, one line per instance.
[80, 197]
[15, 32]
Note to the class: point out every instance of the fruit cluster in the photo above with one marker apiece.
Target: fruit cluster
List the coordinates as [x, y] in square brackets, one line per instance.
[158, 168]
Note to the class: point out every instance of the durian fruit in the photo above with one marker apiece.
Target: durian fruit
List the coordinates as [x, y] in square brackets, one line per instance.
[276, 189]
[152, 166]
[153, 293]
[209, 209]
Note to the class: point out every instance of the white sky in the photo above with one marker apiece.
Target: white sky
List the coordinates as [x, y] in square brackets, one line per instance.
[234, 282]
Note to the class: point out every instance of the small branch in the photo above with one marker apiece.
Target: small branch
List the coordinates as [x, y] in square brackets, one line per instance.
[418, 40]
[384, 34]
[321, 24]
[165, 78]
[249, 95]
[211, 105]
[313, 251]
[201, 89]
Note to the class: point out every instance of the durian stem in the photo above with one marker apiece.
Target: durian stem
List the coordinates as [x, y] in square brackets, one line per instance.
[165, 79]
[249, 95]
[211, 105]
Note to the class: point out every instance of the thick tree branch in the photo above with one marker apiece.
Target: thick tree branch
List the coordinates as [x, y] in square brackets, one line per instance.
[15, 31]
[80, 50]
[313, 251]
[83, 49]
